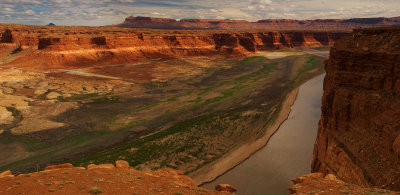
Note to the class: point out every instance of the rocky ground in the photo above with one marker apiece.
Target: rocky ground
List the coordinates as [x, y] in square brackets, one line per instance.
[100, 179]
[28, 98]
[318, 183]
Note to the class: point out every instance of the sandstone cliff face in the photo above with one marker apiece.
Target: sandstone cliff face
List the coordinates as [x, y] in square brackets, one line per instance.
[274, 24]
[358, 138]
[55, 47]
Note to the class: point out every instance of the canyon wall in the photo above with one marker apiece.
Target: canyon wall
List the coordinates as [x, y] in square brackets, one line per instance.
[359, 131]
[53, 47]
[267, 24]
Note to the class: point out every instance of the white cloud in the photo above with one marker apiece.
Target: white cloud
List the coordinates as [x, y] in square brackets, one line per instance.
[104, 12]
[266, 1]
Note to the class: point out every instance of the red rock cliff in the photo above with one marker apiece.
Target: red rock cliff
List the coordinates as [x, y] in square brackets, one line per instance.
[359, 132]
[82, 46]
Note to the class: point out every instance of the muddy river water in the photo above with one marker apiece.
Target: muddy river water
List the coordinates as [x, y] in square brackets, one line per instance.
[288, 153]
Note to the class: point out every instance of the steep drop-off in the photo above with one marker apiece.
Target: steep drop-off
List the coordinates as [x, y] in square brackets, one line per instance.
[55, 47]
[359, 132]
[267, 24]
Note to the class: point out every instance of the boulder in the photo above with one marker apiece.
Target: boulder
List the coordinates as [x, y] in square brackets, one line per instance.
[40, 91]
[225, 188]
[62, 166]
[6, 174]
[122, 164]
[101, 166]
[6, 117]
[53, 95]
[311, 175]
[330, 176]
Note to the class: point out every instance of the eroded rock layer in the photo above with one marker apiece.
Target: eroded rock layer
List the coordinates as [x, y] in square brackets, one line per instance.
[358, 138]
[55, 47]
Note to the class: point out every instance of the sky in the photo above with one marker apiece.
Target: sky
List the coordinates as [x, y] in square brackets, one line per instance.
[106, 12]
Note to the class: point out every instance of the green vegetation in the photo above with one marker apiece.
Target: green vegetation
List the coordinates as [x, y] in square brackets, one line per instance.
[155, 84]
[217, 110]
[240, 81]
[322, 48]
[15, 113]
[226, 94]
[33, 145]
[99, 180]
[95, 190]
[148, 107]
[191, 130]
[147, 148]
[105, 99]
[312, 63]
[44, 95]
[76, 97]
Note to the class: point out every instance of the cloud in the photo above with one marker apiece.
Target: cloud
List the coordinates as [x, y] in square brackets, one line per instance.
[105, 12]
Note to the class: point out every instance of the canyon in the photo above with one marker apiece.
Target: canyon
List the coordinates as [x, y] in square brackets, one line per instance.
[89, 95]
[265, 24]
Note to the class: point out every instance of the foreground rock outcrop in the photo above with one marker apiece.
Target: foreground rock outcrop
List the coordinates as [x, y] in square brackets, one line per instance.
[96, 179]
[71, 47]
[318, 183]
[359, 131]
[267, 24]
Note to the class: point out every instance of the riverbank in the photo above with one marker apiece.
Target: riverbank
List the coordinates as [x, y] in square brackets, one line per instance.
[228, 161]
[288, 152]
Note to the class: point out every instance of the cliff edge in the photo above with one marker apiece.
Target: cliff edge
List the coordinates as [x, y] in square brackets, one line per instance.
[359, 131]
[72, 47]
[100, 179]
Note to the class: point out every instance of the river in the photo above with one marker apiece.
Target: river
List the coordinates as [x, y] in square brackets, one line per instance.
[288, 154]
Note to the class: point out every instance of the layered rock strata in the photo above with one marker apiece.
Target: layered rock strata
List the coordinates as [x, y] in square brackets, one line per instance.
[65, 47]
[359, 131]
